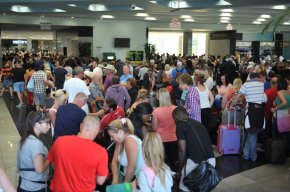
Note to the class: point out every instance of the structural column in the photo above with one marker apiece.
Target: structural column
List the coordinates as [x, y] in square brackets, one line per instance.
[187, 43]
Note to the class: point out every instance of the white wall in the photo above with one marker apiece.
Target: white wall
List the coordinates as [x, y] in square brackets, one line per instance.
[106, 30]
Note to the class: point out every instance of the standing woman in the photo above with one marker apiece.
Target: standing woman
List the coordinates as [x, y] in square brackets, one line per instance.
[156, 175]
[163, 124]
[223, 87]
[128, 150]
[60, 98]
[27, 76]
[31, 157]
[206, 101]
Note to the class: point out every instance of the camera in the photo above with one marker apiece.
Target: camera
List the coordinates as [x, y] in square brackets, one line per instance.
[133, 6]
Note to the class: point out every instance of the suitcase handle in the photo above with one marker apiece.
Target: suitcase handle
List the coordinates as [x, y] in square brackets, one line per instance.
[229, 118]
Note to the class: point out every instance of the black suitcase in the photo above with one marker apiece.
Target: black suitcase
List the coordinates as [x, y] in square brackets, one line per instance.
[276, 152]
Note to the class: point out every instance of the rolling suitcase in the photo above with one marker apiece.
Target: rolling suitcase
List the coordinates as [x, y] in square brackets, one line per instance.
[229, 137]
[276, 150]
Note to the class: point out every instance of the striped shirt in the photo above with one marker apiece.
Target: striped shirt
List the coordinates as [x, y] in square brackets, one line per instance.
[192, 104]
[254, 92]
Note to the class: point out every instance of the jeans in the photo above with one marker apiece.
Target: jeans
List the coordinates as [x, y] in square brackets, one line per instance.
[250, 151]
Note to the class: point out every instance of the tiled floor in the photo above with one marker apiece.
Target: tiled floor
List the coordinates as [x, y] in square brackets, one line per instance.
[240, 175]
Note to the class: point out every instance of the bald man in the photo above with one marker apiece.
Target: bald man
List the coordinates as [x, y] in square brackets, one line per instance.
[79, 163]
[70, 116]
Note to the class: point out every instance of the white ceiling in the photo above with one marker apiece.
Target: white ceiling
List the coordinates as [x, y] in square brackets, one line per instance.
[202, 11]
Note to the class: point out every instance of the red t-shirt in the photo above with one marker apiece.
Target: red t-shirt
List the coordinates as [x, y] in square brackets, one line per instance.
[77, 162]
[271, 95]
[107, 119]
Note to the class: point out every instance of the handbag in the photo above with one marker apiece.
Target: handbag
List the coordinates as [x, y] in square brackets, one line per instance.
[204, 177]
[30, 85]
[283, 119]
[124, 187]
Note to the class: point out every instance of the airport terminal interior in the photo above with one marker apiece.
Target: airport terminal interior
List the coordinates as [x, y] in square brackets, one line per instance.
[112, 29]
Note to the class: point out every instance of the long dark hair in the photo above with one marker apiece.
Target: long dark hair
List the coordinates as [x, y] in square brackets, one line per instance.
[136, 117]
[33, 118]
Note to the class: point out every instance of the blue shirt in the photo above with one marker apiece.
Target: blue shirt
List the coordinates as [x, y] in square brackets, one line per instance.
[124, 78]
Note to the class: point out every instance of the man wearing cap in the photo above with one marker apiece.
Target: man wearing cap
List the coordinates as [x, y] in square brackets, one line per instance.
[110, 71]
[256, 99]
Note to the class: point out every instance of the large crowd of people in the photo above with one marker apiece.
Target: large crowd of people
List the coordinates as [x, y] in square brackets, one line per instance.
[152, 112]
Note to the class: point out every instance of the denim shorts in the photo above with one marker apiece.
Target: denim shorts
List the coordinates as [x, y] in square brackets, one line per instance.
[7, 83]
[19, 86]
[40, 99]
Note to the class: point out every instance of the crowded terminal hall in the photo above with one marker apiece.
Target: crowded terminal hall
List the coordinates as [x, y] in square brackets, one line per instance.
[78, 115]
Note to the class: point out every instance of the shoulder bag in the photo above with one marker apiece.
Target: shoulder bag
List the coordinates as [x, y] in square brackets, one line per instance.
[204, 177]
[30, 85]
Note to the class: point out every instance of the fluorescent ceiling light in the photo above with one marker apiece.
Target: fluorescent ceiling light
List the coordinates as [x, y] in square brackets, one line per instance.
[225, 14]
[279, 7]
[266, 16]
[227, 10]
[185, 16]
[97, 7]
[20, 8]
[189, 20]
[141, 15]
[224, 21]
[222, 2]
[42, 16]
[107, 16]
[225, 18]
[72, 5]
[286, 23]
[58, 10]
[153, 1]
[175, 4]
[72, 17]
[261, 19]
[150, 18]
[257, 22]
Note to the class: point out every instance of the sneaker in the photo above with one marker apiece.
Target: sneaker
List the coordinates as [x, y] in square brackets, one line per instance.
[19, 105]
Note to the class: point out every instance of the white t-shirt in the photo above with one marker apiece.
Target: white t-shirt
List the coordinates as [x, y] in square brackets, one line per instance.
[209, 83]
[204, 98]
[73, 86]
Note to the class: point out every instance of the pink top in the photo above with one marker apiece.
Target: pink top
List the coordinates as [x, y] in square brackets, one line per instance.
[165, 123]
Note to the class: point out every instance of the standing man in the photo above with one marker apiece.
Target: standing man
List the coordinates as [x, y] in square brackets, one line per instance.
[76, 85]
[40, 81]
[59, 74]
[255, 115]
[18, 82]
[79, 163]
[192, 101]
[70, 116]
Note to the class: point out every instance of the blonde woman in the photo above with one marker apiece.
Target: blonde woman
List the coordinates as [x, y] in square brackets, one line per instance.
[163, 124]
[60, 98]
[128, 150]
[239, 107]
[156, 175]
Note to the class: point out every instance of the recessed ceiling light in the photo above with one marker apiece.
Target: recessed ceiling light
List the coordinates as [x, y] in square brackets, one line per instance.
[257, 22]
[185, 16]
[107, 16]
[59, 10]
[72, 5]
[153, 1]
[286, 23]
[72, 17]
[266, 16]
[20, 8]
[261, 19]
[225, 14]
[279, 7]
[227, 10]
[225, 18]
[224, 21]
[189, 20]
[141, 15]
[42, 16]
[150, 18]
[97, 7]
